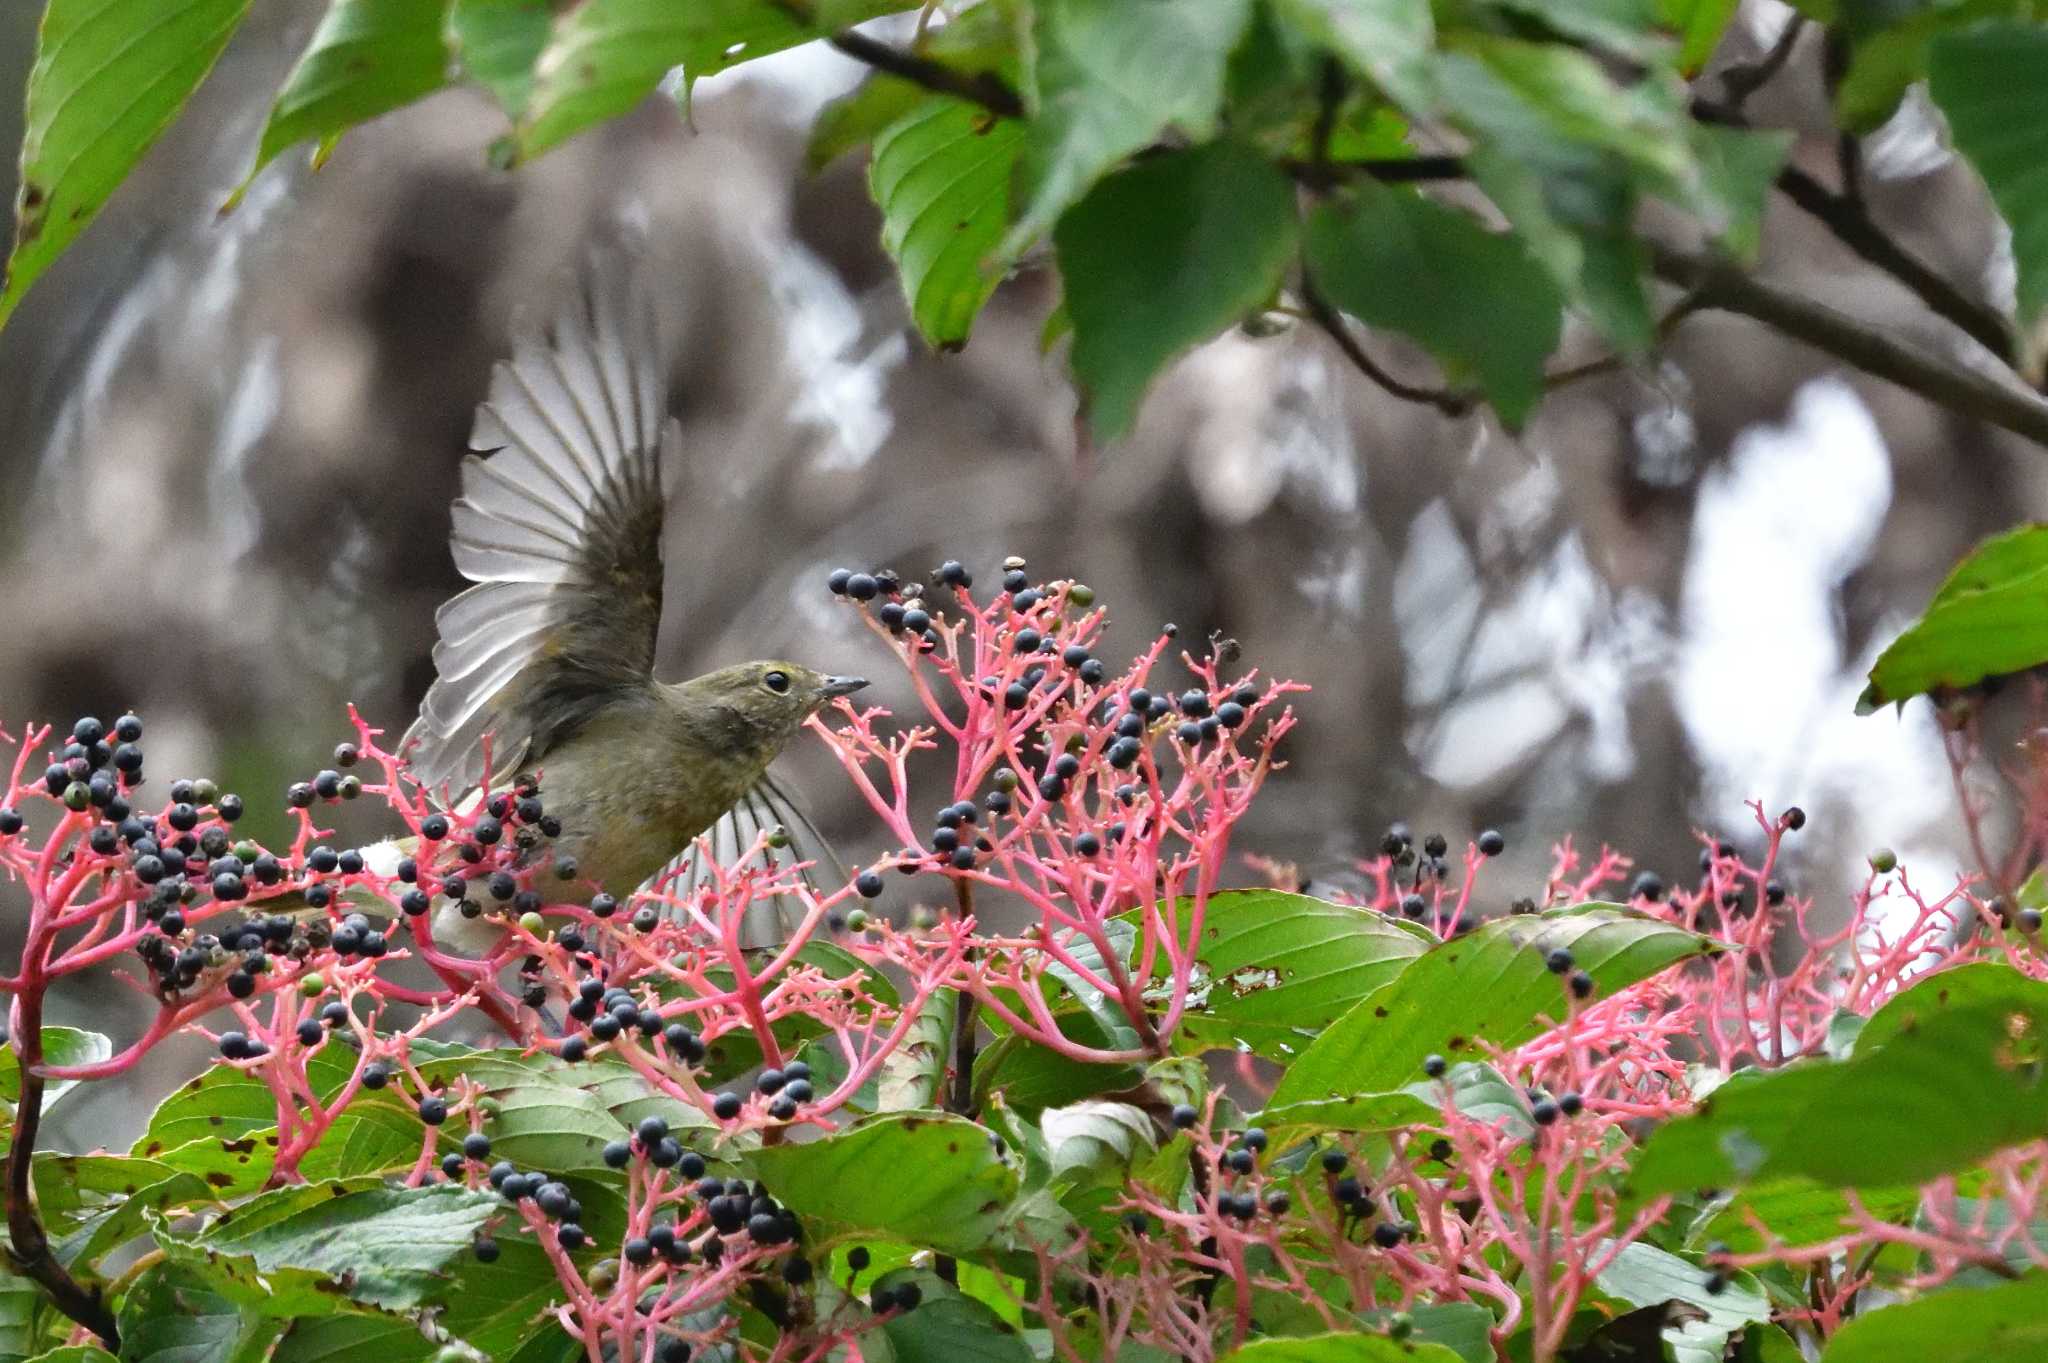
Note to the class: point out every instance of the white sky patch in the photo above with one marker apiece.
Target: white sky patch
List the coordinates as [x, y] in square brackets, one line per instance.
[838, 389]
[1762, 685]
[1559, 648]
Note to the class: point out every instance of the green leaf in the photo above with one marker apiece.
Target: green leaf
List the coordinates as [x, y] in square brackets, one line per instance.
[1623, 27]
[1474, 299]
[1699, 25]
[1798, 1211]
[1095, 1142]
[859, 116]
[1111, 1022]
[366, 58]
[1953, 1082]
[1737, 169]
[1490, 986]
[392, 1246]
[23, 1311]
[1643, 1275]
[930, 1180]
[950, 1327]
[1341, 1348]
[1992, 85]
[1891, 47]
[605, 56]
[1161, 257]
[941, 175]
[914, 1072]
[497, 1308]
[1463, 1327]
[1989, 618]
[74, 1353]
[496, 43]
[99, 95]
[120, 1221]
[61, 1046]
[1279, 966]
[1565, 153]
[1389, 41]
[1960, 1325]
[172, 1315]
[1109, 78]
[1032, 1078]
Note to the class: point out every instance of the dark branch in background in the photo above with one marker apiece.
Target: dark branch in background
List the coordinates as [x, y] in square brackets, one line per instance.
[29, 1246]
[1332, 322]
[985, 88]
[1717, 284]
[1738, 83]
[1845, 216]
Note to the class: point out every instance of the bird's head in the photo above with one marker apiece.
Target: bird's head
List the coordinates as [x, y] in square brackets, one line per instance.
[757, 707]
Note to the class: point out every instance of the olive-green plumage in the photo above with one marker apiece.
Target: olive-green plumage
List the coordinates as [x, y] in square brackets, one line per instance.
[655, 768]
[546, 663]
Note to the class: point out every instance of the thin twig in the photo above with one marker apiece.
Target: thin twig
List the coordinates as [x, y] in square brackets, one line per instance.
[1846, 216]
[1738, 83]
[985, 88]
[1970, 392]
[1447, 401]
[1853, 227]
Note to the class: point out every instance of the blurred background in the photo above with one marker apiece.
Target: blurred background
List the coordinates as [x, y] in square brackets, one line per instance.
[228, 445]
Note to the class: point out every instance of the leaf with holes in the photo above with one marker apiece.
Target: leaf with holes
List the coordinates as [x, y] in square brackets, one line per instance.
[1492, 986]
[1281, 965]
[109, 77]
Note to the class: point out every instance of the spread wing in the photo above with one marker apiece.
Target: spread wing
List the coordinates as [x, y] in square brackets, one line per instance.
[769, 804]
[559, 527]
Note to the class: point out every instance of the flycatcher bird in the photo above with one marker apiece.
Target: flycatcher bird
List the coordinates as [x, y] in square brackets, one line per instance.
[550, 655]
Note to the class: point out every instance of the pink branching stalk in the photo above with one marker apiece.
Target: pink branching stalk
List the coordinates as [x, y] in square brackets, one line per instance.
[1102, 804]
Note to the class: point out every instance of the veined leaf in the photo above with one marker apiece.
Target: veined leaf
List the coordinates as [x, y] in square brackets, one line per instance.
[927, 1179]
[1163, 256]
[1476, 300]
[1493, 985]
[1107, 80]
[1989, 617]
[941, 175]
[109, 77]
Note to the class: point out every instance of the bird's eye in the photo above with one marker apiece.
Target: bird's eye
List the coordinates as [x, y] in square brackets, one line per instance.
[778, 682]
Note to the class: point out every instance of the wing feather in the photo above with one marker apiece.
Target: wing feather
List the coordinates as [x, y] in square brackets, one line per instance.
[559, 527]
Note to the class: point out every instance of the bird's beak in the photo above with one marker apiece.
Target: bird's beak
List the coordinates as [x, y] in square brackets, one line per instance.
[841, 686]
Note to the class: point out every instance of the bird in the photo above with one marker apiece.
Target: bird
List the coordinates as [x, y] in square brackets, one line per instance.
[547, 658]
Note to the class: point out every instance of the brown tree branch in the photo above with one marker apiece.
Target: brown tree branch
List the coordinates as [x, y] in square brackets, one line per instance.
[1851, 225]
[29, 1242]
[1717, 284]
